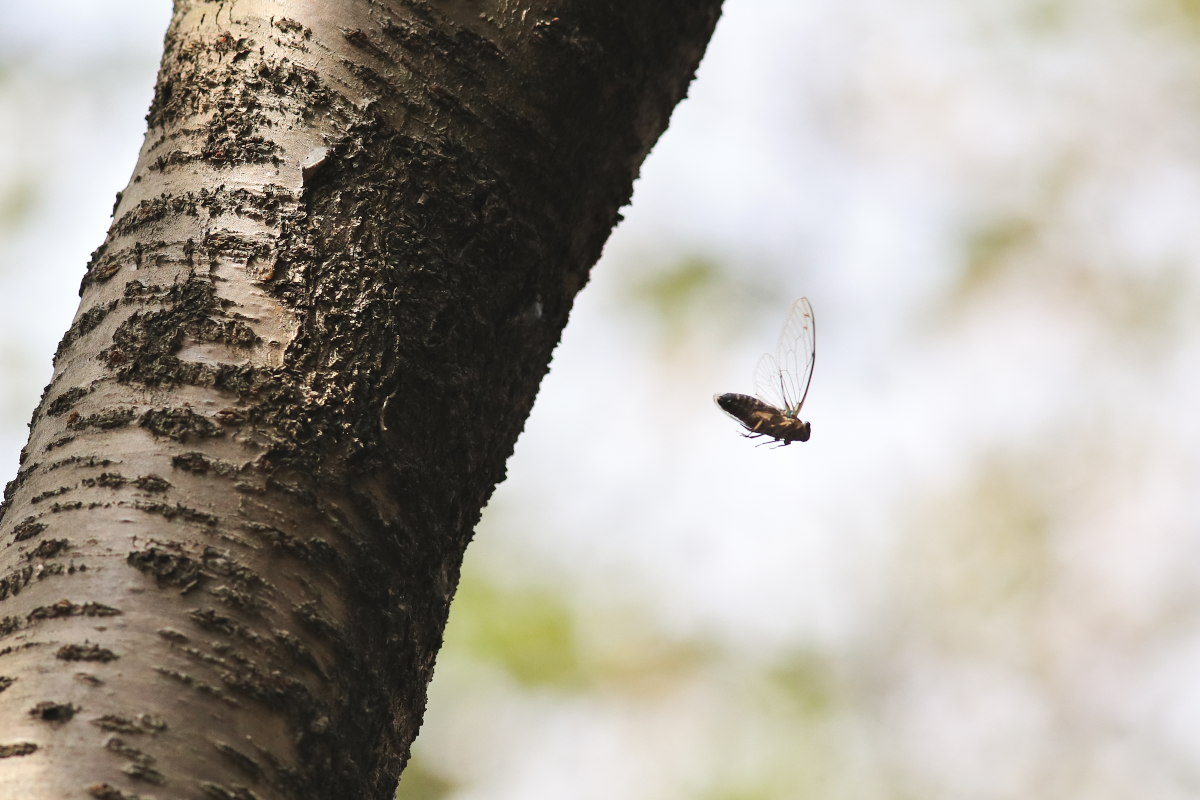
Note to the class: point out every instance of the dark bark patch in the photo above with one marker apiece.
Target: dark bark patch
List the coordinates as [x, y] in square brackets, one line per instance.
[225, 43]
[50, 570]
[173, 567]
[107, 480]
[314, 620]
[211, 620]
[19, 647]
[6, 682]
[151, 483]
[224, 565]
[292, 26]
[119, 723]
[87, 322]
[214, 791]
[108, 419]
[180, 424]
[15, 581]
[358, 38]
[168, 568]
[372, 79]
[232, 136]
[241, 249]
[85, 652]
[11, 487]
[280, 540]
[106, 791]
[170, 158]
[141, 763]
[286, 78]
[138, 292]
[17, 749]
[232, 332]
[27, 529]
[325, 552]
[145, 344]
[119, 746]
[65, 608]
[144, 772]
[80, 461]
[296, 648]
[152, 210]
[274, 688]
[9, 625]
[46, 495]
[48, 711]
[173, 636]
[59, 442]
[238, 598]
[233, 140]
[243, 762]
[177, 511]
[192, 462]
[266, 205]
[195, 683]
[276, 401]
[63, 403]
[101, 271]
[48, 548]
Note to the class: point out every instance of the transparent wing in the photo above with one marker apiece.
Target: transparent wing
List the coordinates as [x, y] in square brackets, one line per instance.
[783, 379]
[768, 381]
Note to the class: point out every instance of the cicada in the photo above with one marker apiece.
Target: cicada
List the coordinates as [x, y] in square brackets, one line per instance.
[782, 382]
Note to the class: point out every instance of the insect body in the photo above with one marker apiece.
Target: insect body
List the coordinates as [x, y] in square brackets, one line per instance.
[763, 419]
[782, 382]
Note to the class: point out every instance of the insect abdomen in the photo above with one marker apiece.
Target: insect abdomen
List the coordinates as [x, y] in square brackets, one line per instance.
[745, 408]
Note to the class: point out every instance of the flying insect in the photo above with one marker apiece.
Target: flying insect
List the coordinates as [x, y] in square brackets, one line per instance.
[782, 382]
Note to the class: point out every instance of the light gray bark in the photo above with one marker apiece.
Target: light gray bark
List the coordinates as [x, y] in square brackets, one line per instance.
[302, 356]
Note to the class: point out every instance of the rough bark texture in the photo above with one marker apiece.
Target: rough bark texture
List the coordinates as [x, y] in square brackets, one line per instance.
[302, 356]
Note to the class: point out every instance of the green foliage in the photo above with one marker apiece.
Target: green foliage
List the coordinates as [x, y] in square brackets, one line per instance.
[807, 686]
[699, 295]
[418, 783]
[676, 290]
[993, 250]
[19, 196]
[529, 633]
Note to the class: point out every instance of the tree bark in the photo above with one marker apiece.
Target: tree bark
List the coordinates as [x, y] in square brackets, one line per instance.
[302, 356]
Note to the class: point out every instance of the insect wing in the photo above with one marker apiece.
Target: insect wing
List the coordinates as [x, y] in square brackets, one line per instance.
[768, 382]
[783, 379]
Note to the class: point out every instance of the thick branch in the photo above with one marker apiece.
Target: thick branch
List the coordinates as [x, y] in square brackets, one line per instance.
[302, 356]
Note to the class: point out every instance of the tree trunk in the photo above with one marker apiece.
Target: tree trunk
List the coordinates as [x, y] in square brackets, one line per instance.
[302, 356]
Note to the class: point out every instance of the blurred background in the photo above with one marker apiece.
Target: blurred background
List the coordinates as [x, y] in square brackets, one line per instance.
[981, 577]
